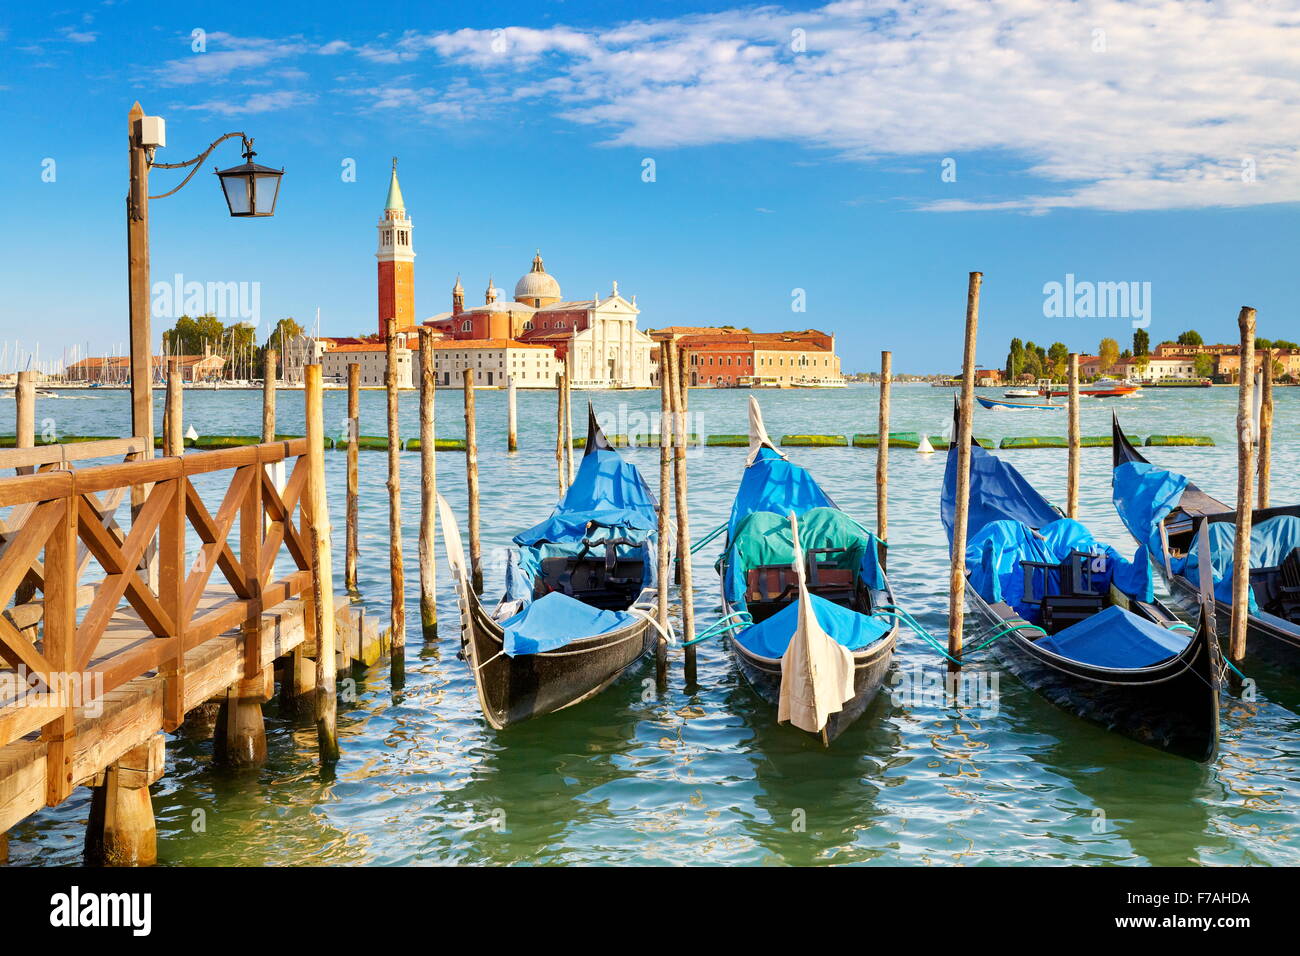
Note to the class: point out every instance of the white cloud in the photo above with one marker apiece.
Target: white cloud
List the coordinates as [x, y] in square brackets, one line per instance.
[227, 54]
[1158, 110]
[257, 103]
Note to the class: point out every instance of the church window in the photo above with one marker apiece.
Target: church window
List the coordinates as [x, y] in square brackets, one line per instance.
[466, 326]
[528, 326]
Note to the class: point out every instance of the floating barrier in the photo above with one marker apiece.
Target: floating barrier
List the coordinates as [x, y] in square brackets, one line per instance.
[214, 442]
[896, 440]
[1203, 441]
[439, 444]
[727, 441]
[652, 440]
[939, 443]
[618, 441]
[1054, 441]
[815, 441]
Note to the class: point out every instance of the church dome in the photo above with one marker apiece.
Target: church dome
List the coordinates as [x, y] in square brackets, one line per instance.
[537, 284]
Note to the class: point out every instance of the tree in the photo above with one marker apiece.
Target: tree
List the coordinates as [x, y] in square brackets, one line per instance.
[1190, 337]
[189, 336]
[1015, 360]
[1141, 343]
[1204, 366]
[1058, 357]
[1108, 352]
[285, 329]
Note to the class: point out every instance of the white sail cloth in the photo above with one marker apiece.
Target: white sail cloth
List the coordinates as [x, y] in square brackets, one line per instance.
[816, 670]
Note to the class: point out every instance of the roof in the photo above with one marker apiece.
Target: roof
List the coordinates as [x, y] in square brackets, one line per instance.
[124, 361]
[486, 344]
[363, 347]
[394, 200]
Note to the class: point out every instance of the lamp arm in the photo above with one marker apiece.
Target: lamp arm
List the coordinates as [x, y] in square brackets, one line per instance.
[196, 162]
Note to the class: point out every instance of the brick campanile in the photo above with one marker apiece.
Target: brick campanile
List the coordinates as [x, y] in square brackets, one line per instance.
[396, 261]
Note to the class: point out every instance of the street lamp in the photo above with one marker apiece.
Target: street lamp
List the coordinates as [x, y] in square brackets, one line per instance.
[250, 191]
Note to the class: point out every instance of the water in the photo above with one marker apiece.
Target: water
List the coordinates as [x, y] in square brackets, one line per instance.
[633, 777]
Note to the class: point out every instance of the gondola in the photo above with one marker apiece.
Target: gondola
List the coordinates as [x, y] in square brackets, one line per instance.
[1164, 510]
[805, 596]
[573, 615]
[1077, 622]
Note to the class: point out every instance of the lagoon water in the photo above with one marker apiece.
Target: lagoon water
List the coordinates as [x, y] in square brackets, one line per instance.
[707, 777]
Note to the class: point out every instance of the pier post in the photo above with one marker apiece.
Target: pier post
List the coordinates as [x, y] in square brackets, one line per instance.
[25, 411]
[239, 740]
[1265, 426]
[961, 445]
[121, 829]
[1072, 476]
[665, 504]
[429, 488]
[4, 848]
[471, 481]
[397, 573]
[559, 431]
[679, 400]
[512, 417]
[322, 578]
[1245, 486]
[353, 480]
[173, 417]
[568, 421]
[882, 449]
[268, 396]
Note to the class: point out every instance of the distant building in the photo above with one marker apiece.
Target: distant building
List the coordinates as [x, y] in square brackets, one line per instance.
[727, 357]
[116, 369]
[372, 358]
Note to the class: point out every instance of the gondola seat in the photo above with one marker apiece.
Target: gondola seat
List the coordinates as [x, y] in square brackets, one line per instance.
[592, 580]
[1289, 587]
[771, 587]
[1077, 598]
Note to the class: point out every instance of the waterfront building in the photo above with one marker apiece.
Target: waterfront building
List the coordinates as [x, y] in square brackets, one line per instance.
[728, 357]
[373, 359]
[530, 364]
[116, 369]
[597, 339]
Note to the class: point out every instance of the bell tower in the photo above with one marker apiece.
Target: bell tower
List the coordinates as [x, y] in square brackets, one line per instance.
[396, 260]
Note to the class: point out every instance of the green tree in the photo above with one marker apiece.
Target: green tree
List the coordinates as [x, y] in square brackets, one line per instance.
[285, 330]
[1205, 366]
[1190, 337]
[190, 336]
[1015, 360]
[1108, 352]
[1141, 343]
[1058, 358]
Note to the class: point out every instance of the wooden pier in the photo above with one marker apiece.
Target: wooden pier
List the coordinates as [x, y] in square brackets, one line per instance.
[113, 630]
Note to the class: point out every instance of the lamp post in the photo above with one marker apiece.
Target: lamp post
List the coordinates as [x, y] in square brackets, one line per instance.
[250, 190]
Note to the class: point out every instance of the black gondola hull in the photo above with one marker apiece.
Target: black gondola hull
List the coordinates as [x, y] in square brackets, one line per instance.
[869, 670]
[515, 689]
[1173, 706]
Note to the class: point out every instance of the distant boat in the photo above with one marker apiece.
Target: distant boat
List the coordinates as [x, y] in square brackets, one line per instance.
[1020, 393]
[1000, 403]
[1102, 388]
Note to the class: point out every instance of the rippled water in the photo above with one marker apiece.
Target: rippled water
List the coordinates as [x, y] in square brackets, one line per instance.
[707, 777]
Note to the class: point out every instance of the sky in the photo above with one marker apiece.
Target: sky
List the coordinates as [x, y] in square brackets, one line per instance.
[840, 167]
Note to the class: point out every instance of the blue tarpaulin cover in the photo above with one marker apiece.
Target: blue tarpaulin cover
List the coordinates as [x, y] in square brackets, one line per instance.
[607, 490]
[855, 631]
[554, 620]
[1116, 638]
[995, 553]
[1143, 496]
[997, 492]
[1270, 542]
[773, 484]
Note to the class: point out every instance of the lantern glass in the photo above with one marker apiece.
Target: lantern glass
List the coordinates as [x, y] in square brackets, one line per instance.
[251, 189]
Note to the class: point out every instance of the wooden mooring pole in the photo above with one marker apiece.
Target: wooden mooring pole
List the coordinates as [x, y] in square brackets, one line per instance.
[429, 489]
[353, 479]
[1265, 426]
[568, 425]
[1072, 476]
[268, 396]
[678, 392]
[664, 526]
[961, 444]
[882, 449]
[471, 482]
[173, 417]
[397, 573]
[559, 432]
[512, 417]
[25, 412]
[322, 590]
[1245, 486]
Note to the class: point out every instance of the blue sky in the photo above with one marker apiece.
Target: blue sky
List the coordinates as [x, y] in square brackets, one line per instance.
[799, 146]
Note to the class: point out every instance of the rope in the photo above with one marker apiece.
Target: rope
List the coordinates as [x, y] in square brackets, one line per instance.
[709, 537]
[731, 622]
[645, 612]
[892, 610]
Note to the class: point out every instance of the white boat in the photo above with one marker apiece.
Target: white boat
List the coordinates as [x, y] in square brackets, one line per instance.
[1020, 393]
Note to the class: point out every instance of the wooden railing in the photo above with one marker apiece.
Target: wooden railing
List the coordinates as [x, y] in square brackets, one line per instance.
[63, 517]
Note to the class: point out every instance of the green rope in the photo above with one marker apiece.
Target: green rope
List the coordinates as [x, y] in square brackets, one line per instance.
[708, 537]
[731, 622]
[894, 611]
[1182, 627]
[1008, 629]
